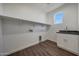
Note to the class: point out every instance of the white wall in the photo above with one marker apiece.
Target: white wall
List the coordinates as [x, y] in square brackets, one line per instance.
[35, 12]
[1, 9]
[25, 11]
[15, 32]
[78, 16]
[70, 18]
[17, 36]
[1, 38]
[52, 35]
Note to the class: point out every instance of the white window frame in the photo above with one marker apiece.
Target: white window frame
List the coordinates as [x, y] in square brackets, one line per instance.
[55, 16]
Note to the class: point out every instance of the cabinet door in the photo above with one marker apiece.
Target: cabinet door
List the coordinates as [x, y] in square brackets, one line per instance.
[71, 43]
[60, 40]
[68, 42]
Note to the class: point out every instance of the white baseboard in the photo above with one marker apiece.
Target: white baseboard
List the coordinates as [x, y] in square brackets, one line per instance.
[52, 40]
[10, 52]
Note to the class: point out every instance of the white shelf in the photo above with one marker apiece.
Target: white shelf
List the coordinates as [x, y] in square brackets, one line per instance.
[3, 16]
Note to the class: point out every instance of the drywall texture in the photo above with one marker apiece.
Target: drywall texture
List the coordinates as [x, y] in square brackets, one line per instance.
[1, 9]
[25, 11]
[78, 16]
[17, 36]
[35, 12]
[70, 19]
[1, 38]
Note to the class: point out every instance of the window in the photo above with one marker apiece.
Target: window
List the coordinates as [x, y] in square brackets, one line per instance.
[58, 18]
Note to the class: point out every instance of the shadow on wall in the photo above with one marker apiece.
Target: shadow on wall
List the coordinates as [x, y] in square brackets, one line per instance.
[52, 31]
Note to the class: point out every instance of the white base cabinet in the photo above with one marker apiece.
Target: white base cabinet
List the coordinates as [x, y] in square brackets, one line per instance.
[68, 42]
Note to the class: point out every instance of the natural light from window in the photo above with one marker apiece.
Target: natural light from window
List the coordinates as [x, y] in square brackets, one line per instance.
[58, 18]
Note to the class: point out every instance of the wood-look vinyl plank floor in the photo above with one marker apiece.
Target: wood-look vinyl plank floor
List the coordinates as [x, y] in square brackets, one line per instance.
[46, 48]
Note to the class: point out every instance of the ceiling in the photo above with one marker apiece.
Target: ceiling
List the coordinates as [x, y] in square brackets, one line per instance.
[47, 7]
